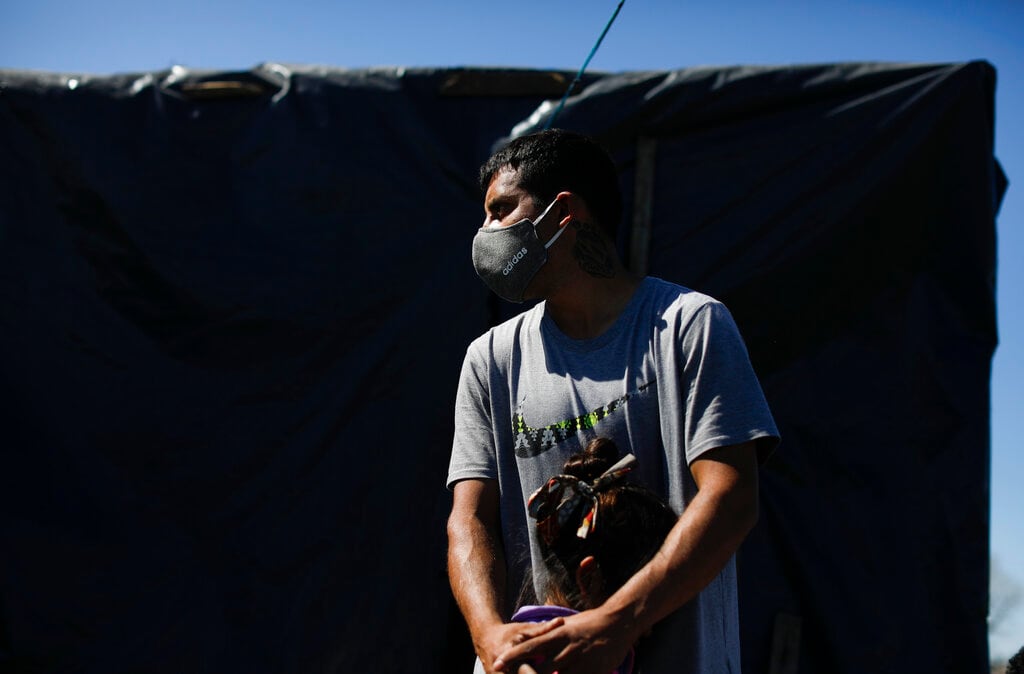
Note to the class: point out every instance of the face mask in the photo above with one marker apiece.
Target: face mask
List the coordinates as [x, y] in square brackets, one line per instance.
[507, 258]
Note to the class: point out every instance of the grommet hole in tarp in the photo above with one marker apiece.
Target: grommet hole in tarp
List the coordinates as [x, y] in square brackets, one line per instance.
[211, 108]
[222, 89]
[261, 82]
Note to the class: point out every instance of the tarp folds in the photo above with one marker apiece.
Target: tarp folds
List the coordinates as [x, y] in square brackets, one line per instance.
[845, 214]
[235, 306]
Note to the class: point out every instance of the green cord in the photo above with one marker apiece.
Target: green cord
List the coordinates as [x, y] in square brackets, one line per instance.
[593, 51]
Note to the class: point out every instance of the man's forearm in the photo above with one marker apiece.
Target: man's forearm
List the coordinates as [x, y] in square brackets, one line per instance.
[702, 541]
[476, 569]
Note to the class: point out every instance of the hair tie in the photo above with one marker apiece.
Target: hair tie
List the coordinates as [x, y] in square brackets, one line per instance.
[561, 499]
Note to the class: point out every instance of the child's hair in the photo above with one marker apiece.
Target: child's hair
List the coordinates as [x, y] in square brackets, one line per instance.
[626, 529]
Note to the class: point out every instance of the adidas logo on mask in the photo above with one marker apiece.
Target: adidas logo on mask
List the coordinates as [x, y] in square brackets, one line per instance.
[514, 261]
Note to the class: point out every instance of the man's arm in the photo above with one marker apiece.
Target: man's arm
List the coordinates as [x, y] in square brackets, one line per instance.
[706, 535]
[476, 569]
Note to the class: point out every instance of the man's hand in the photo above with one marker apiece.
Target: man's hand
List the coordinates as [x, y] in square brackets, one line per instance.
[501, 637]
[587, 642]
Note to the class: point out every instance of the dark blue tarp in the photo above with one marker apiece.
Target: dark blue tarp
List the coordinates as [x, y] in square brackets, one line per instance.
[233, 308]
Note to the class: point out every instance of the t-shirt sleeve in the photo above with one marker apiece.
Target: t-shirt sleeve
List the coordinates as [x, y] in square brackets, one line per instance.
[725, 404]
[473, 452]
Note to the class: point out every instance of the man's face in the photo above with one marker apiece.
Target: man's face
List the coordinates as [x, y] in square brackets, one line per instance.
[506, 202]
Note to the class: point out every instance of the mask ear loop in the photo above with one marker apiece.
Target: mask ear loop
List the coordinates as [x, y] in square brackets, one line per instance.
[555, 237]
[561, 228]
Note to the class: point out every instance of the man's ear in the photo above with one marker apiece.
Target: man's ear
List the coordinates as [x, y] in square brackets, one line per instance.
[568, 202]
[590, 581]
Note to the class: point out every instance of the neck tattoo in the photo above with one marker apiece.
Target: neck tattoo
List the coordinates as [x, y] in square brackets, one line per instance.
[590, 251]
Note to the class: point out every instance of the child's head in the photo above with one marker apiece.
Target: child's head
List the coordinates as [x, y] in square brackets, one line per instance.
[591, 550]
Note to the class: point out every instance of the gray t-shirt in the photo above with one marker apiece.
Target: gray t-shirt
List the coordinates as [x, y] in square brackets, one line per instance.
[670, 380]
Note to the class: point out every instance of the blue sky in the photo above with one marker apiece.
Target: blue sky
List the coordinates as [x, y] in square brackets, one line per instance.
[108, 36]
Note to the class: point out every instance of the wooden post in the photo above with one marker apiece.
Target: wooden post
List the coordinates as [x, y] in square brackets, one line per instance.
[643, 200]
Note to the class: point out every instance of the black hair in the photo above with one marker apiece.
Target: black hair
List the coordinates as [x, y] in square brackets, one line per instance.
[632, 524]
[548, 162]
[1016, 663]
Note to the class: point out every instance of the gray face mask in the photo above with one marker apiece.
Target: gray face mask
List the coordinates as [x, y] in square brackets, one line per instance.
[507, 258]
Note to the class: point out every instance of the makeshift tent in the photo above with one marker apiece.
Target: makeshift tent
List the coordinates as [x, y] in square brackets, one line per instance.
[235, 306]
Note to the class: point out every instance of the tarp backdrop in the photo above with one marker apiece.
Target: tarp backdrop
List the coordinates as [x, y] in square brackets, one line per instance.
[233, 307]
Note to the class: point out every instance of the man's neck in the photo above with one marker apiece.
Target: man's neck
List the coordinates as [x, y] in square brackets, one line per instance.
[588, 306]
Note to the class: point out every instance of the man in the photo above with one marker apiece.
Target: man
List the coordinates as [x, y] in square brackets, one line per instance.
[658, 368]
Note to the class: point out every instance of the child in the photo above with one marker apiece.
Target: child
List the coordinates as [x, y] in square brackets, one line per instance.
[595, 530]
